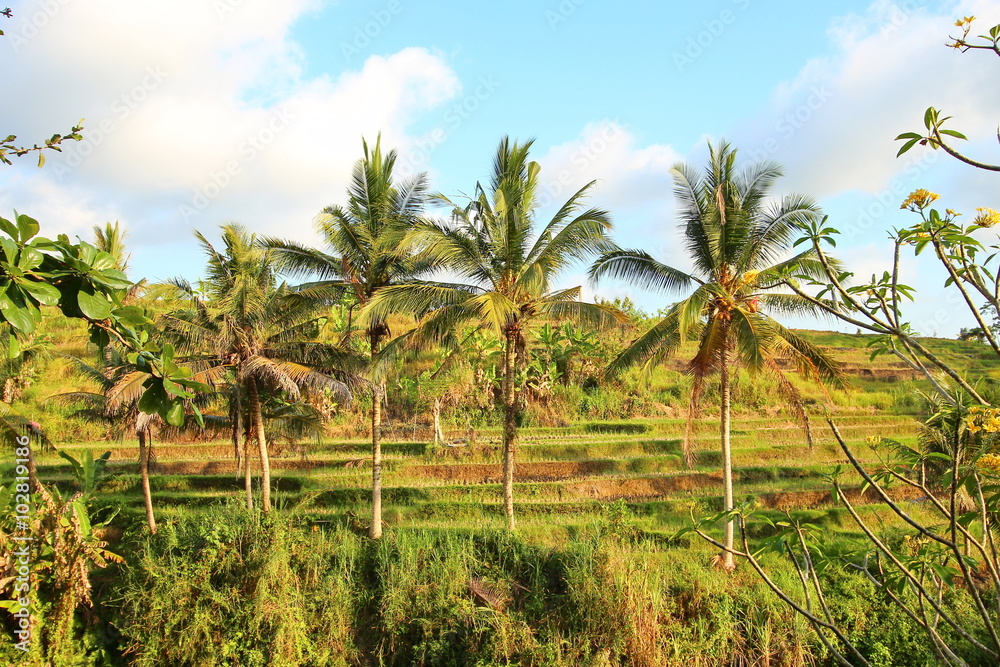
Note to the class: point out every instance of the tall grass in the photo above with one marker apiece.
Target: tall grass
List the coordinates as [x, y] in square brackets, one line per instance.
[231, 588]
[228, 587]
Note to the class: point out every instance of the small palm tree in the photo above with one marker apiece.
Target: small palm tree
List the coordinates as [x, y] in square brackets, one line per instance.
[505, 274]
[120, 386]
[365, 253]
[260, 333]
[735, 237]
[111, 239]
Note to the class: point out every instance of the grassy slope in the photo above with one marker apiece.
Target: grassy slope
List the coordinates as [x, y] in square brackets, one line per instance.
[567, 475]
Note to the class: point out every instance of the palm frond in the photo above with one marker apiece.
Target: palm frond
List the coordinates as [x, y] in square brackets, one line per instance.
[416, 299]
[638, 268]
[298, 260]
[597, 315]
[652, 348]
[810, 359]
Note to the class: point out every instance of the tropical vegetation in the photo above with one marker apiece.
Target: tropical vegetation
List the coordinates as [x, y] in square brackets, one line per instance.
[431, 338]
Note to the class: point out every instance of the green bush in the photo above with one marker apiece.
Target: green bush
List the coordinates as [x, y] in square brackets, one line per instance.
[228, 587]
[624, 428]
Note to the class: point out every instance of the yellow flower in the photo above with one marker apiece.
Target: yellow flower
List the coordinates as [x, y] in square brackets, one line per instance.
[951, 213]
[919, 199]
[873, 440]
[987, 217]
[990, 462]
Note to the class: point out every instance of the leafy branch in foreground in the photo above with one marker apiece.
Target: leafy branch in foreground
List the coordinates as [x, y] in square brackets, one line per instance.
[8, 147]
[934, 132]
[944, 573]
[84, 283]
[876, 306]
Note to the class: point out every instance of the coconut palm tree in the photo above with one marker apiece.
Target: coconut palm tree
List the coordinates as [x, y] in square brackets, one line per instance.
[120, 386]
[260, 333]
[504, 274]
[738, 241]
[111, 239]
[364, 252]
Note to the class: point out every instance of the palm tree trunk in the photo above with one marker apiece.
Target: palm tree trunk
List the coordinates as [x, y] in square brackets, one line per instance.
[258, 427]
[237, 434]
[248, 480]
[147, 494]
[377, 391]
[438, 433]
[725, 392]
[509, 427]
[243, 454]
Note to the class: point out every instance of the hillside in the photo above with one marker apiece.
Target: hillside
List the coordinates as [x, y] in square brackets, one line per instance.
[566, 474]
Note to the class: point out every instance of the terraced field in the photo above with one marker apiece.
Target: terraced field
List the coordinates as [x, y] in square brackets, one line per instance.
[566, 477]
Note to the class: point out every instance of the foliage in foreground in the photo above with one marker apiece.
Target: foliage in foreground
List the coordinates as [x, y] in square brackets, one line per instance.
[238, 588]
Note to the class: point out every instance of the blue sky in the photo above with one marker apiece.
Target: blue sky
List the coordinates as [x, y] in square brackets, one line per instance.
[243, 110]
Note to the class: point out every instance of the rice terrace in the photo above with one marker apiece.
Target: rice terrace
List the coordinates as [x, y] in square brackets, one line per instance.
[277, 390]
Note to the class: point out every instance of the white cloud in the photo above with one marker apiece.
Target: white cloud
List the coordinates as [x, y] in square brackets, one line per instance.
[196, 114]
[632, 181]
[833, 126]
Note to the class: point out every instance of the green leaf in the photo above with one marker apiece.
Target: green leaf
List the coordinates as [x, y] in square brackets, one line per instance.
[8, 228]
[45, 294]
[175, 415]
[131, 315]
[100, 338]
[14, 350]
[93, 305]
[154, 400]
[929, 117]
[16, 311]
[41, 159]
[954, 133]
[111, 278]
[82, 516]
[30, 258]
[198, 416]
[175, 390]
[77, 468]
[27, 227]
[10, 249]
[907, 146]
